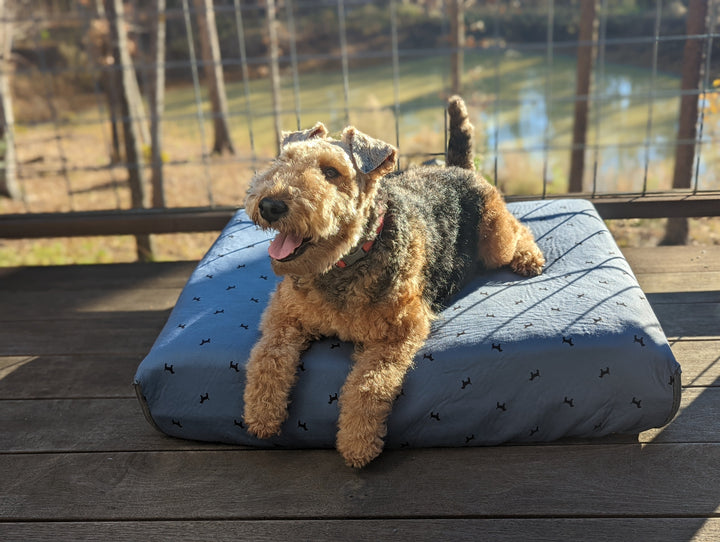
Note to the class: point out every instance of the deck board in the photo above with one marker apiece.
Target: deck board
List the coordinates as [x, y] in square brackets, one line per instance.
[78, 460]
[372, 530]
[617, 480]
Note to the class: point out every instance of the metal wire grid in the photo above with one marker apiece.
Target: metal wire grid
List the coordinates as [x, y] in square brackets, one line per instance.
[549, 48]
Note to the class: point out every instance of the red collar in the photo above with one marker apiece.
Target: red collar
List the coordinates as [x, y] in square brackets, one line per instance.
[361, 250]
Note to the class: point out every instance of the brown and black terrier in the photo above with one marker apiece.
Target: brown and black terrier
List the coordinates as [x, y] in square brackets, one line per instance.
[369, 255]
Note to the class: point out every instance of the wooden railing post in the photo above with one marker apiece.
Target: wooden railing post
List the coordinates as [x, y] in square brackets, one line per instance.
[585, 55]
[677, 230]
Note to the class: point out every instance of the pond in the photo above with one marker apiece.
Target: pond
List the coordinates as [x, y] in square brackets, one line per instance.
[522, 107]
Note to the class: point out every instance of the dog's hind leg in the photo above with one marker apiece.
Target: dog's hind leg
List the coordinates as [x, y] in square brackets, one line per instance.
[503, 240]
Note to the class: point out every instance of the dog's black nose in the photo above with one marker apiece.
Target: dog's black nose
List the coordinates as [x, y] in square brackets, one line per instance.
[272, 209]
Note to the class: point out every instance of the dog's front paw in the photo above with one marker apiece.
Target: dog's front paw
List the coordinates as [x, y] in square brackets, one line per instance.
[261, 428]
[263, 423]
[357, 450]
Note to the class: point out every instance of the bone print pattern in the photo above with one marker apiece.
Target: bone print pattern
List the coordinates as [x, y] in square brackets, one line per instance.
[574, 352]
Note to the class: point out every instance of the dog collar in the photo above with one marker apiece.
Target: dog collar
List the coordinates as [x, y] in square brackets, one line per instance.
[361, 250]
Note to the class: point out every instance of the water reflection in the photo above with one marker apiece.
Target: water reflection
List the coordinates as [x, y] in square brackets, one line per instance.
[632, 127]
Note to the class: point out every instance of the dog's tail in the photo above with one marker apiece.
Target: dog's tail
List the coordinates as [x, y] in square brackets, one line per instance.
[460, 143]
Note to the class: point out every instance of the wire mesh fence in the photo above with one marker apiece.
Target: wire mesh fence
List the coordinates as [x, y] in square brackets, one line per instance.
[110, 105]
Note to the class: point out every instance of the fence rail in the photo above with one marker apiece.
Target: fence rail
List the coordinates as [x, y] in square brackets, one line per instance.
[92, 145]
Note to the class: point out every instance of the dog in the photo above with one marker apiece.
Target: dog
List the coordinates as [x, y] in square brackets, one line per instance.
[369, 255]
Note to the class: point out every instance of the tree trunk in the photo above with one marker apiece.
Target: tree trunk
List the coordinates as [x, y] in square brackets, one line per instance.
[157, 98]
[8, 173]
[212, 61]
[131, 130]
[457, 42]
[274, 68]
[676, 231]
[585, 54]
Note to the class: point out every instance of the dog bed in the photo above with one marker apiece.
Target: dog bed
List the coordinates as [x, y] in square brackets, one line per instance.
[576, 351]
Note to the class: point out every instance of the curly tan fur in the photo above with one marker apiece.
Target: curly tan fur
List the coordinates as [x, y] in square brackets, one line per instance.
[328, 197]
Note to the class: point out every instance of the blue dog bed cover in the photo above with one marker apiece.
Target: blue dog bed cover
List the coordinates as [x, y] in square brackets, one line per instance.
[576, 351]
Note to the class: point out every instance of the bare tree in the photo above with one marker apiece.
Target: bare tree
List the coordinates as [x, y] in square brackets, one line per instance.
[99, 48]
[210, 48]
[272, 25]
[8, 180]
[456, 11]
[157, 105]
[131, 129]
[585, 54]
[98, 42]
[677, 230]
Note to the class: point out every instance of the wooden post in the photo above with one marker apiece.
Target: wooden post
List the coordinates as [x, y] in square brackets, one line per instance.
[457, 42]
[677, 230]
[133, 151]
[8, 173]
[585, 55]
[212, 61]
[157, 105]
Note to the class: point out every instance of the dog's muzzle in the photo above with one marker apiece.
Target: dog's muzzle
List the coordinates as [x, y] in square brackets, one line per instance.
[272, 209]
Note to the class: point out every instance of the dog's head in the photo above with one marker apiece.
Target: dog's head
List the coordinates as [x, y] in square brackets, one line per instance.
[318, 195]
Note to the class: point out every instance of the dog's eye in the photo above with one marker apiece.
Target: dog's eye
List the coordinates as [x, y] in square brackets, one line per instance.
[330, 173]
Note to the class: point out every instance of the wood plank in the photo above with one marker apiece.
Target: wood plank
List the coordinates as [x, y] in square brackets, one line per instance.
[105, 425]
[675, 296]
[673, 259]
[117, 222]
[109, 375]
[87, 425]
[707, 283]
[689, 320]
[100, 276]
[108, 333]
[83, 304]
[700, 361]
[173, 220]
[68, 377]
[667, 480]
[371, 530]
[696, 420]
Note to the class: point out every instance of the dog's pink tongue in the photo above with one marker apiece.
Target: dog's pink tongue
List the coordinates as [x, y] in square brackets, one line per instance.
[283, 245]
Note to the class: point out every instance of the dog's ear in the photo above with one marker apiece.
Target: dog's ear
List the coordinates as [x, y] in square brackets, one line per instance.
[370, 156]
[316, 132]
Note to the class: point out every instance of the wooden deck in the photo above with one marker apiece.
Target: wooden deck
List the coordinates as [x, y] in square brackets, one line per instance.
[78, 460]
